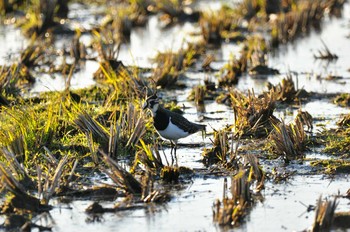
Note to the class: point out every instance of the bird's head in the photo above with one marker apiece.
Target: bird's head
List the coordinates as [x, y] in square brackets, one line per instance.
[152, 103]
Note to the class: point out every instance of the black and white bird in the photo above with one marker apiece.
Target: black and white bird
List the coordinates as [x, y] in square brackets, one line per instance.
[170, 125]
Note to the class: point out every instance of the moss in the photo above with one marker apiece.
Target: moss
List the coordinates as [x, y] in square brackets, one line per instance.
[332, 166]
[342, 99]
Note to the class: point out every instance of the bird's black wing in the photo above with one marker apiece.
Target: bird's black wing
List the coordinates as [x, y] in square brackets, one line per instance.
[184, 124]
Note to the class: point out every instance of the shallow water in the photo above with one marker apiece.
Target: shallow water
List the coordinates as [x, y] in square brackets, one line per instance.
[190, 209]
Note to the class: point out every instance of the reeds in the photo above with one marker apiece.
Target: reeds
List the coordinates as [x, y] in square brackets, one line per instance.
[325, 54]
[230, 211]
[288, 141]
[120, 176]
[124, 134]
[220, 149]
[171, 65]
[293, 23]
[217, 26]
[252, 114]
[149, 159]
[232, 71]
[324, 215]
[342, 100]
[285, 91]
[41, 16]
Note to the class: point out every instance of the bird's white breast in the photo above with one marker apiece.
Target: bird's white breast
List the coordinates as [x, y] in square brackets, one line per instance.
[172, 132]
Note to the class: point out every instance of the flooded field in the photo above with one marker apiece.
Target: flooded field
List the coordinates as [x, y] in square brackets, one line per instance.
[69, 149]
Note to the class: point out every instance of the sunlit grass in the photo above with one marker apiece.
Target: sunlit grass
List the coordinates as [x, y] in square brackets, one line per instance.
[252, 113]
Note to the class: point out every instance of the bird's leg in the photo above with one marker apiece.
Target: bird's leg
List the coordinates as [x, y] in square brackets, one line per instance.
[166, 159]
[175, 142]
[171, 151]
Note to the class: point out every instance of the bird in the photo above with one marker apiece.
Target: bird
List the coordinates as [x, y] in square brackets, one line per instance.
[170, 125]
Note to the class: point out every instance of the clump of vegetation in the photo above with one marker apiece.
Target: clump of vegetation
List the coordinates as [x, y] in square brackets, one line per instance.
[200, 93]
[232, 71]
[285, 91]
[122, 83]
[120, 19]
[332, 166]
[220, 149]
[231, 210]
[217, 26]
[177, 11]
[11, 81]
[170, 66]
[324, 215]
[287, 26]
[42, 16]
[149, 159]
[337, 141]
[342, 100]
[124, 134]
[288, 141]
[252, 9]
[295, 20]
[341, 220]
[120, 176]
[252, 114]
[344, 122]
[256, 52]
[325, 54]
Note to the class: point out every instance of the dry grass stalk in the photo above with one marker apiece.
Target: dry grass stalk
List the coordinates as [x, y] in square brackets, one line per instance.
[9, 181]
[289, 25]
[325, 54]
[220, 149]
[120, 176]
[20, 199]
[14, 165]
[149, 157]
[90, 126]
[288, 141]
[232, 71]
[231, 211]
[52, 183]
[256, 172]
[133, 125]
[170, 66]
[285, 91]
[149, 194]
[252, 114]
[219, 25]
[324, 215]
[305, 119]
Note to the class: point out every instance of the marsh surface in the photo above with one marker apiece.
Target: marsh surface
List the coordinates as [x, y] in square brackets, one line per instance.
[282, 206]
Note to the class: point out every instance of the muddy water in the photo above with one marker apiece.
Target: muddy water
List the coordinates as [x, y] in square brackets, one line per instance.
[282, 206]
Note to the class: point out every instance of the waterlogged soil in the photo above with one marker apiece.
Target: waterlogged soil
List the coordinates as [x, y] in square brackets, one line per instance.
[282, 206]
